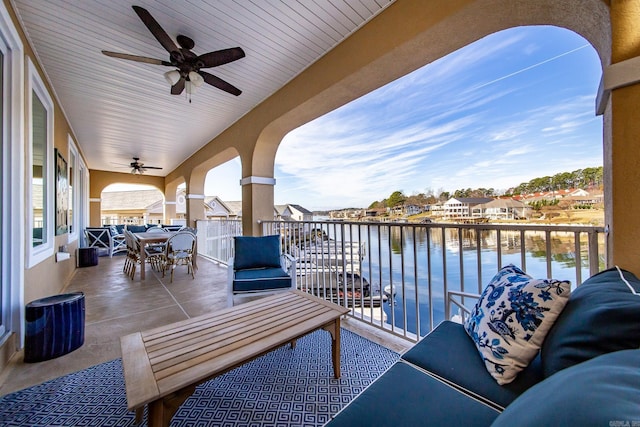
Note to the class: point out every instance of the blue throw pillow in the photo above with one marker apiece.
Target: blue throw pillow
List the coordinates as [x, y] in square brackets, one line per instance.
[256, 252]
[511, 319]
[604, 391]
[601, 316]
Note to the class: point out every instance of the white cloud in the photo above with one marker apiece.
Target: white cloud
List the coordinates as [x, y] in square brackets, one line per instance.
[464, 121]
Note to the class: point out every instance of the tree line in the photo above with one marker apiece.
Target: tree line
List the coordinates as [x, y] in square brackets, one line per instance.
[581, 178]
[588, 178]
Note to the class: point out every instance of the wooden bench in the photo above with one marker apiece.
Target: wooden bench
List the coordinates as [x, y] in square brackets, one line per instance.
[163, 366]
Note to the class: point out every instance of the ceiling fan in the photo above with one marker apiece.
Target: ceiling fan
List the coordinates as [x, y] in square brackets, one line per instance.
[140, 168]
[188, 73]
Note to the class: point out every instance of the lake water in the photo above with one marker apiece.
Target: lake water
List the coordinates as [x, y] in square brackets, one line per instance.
[430, 261]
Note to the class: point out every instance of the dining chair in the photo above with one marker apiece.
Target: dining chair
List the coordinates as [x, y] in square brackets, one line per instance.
[180, 250]
[190, 229]
[154, 252]
[133, 254]
[156, 230]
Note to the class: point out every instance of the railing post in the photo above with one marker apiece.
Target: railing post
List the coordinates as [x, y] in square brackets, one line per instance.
[594, 259]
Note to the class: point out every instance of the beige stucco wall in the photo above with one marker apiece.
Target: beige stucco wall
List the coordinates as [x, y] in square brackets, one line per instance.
[99, 180]
[48, 277]
[622, 154]
[407, 35]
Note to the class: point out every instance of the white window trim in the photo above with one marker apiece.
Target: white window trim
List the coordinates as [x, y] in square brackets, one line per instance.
[83, 214]
[13, 227]
[35, 84]
[76, 196]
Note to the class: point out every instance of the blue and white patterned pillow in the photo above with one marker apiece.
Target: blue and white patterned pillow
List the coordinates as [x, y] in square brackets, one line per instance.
[511, 319]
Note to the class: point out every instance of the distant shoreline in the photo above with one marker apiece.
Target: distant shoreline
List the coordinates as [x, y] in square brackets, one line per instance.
[589, 217]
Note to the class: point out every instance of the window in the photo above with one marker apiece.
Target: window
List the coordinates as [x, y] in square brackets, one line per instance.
[73, 231]
[40, 181]
[78, 195]
[38, 171]
[12, 158]
[3, 49]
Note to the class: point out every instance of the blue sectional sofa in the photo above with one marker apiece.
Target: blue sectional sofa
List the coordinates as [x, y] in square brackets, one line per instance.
[587, 371]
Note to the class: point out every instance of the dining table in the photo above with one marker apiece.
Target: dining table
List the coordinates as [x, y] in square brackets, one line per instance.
[149, 238]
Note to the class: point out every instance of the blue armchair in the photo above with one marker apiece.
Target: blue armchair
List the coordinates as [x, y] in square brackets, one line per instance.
[259, 268]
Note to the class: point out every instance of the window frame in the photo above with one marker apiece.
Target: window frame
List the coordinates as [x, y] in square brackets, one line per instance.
[13, 164]
[79, 195]
[36, 86]
[73, 181]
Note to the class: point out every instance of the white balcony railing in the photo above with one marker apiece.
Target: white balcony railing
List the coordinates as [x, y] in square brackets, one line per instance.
[215, 238]
[395, 276]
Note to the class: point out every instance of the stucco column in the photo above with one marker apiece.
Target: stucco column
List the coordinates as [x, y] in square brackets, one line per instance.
[195, 195]
[257, 203]
[169, 203]
[95, 202]
[95, 207]
[195, 208]
[169, 210]
[622, 153]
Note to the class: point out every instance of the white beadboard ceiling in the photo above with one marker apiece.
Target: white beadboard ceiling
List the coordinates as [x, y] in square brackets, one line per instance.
[120, 109]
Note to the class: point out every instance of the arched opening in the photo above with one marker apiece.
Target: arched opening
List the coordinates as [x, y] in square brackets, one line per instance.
[515, 105]
[131, 204]
[223, 194]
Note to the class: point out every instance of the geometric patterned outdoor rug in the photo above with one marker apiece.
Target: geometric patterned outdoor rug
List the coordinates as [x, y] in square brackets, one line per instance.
[287, 387]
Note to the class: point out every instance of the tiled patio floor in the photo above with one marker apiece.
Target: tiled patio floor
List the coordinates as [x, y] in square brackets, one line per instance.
[116, 305]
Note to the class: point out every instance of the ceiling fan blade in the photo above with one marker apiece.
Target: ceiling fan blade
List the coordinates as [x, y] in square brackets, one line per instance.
[219, 83]
[177, 88]
[155, 29]
[220, 57]
[136, 58]
[152, 167]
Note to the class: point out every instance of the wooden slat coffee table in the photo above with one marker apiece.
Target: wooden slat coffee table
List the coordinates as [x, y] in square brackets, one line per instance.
[163, 366]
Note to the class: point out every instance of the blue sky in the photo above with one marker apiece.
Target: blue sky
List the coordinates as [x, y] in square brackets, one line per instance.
[516, 105]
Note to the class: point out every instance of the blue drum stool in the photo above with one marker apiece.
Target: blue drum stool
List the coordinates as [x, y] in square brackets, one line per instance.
[55, 326]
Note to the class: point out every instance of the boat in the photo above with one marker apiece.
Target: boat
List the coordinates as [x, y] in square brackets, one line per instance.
[389, 291]
[330, 269]
[332, 253]
[348, 289]
[357, 291]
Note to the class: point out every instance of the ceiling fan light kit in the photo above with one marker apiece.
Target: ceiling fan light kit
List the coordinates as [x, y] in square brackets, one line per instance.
[196, 79]
[172, 77]
[140, 168]
[187, 75]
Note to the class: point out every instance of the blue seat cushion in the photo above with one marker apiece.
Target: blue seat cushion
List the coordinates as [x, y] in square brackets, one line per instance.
[603, 391]
[450, 353]
[406, 396]
[601, 316]
[260, 279]
[136, 228]
[256, 252]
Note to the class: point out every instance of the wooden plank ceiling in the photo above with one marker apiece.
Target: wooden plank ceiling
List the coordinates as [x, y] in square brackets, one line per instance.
[120, 109]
